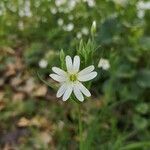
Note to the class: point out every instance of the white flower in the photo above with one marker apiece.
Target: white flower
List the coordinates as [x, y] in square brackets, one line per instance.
[140, 14]
[104, 64]
[69, 27]
[53, 10]
[71, 79]
[79, 35]
[60, 21]
[59, 2]
[85, 30]
[71, 4]
[21, 25]
[43, 63]
[27, 9]
[121, 2]
[143, 5]
[91, 3]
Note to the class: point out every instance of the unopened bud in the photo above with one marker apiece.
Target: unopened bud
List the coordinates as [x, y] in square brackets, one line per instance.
[93, 28]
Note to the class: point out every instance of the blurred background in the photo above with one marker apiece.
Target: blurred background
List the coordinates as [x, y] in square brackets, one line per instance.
[32, 33]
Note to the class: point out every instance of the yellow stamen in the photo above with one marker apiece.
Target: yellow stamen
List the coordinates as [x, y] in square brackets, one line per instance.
[73, 77]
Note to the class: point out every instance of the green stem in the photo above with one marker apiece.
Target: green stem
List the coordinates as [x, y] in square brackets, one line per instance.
[80, 128]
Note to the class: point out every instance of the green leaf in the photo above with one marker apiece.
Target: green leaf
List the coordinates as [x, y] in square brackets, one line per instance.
[137, 146]
[140, 122]
[47, 83]
[143, 78]
[142, 108]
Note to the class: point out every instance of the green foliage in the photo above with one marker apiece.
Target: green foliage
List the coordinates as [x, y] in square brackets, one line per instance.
[33, 54]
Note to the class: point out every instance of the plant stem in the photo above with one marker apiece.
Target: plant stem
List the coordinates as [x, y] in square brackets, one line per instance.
[80, 127]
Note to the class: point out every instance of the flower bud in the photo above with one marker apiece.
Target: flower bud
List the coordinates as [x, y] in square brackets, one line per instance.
[93, 28]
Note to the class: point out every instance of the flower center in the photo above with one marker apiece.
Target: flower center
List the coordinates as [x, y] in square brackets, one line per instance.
[73, 77]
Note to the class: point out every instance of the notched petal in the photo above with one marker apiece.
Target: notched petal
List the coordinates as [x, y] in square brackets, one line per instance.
[76, 64]
[69, 64]
[87, 77]
[57, 77]
[59, 71]
[87, 70]
[78, 93]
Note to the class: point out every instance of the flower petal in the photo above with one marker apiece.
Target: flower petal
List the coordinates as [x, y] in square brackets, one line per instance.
[87, 77]
[76, 64]
[67, 92]
[84, 90]
[86, 70]
[78, 93]
[59, 71]
[69, 64]
[61, 90]
[57, 77]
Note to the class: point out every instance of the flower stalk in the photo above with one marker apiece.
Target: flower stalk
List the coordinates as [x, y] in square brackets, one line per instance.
[80, 128]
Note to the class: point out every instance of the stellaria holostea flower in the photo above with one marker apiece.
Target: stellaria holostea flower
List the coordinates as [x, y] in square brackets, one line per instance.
[71, 79]
[43, 63]
[104, 64]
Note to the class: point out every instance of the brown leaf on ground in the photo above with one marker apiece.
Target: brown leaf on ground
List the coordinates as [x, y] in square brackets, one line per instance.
[13, 67]
[39, 122]
[1, 95]
[2, 105]
[16, 81]
[18, 96]
[10, 70]
[45, 137]
[28, 87]
[23, 122]
[7, 51]
[2, 81]
[19, 64]
[8, 147]
[40, 91]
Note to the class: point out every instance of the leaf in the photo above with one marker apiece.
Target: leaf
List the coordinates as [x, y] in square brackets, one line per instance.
[39, 121]
[136, 145]
[16, 81]
[143, 78]
[2, 81]
[45, 137]
[18, 96]
[125, 71]
[2, 105]
[145, 42]
[109, 29]
[23, 122]
[140, 122]
[142, 108]
[40, 91]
